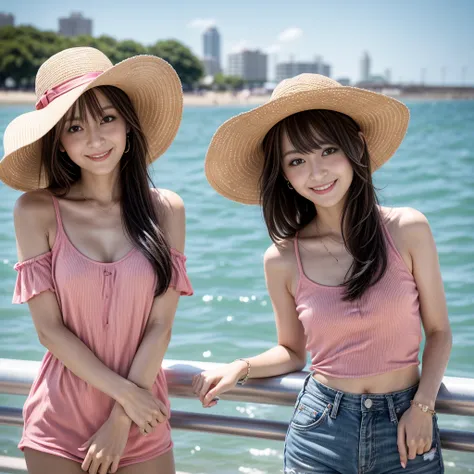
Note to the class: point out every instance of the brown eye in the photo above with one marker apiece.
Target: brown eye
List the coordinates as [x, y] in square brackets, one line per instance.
[329, 151]
[296, 162]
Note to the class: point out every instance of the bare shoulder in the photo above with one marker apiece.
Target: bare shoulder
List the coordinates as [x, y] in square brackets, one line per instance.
[404, 218]
[280, 258]
[35, 208]
[170, 207]
[406, 225]
[34, 220]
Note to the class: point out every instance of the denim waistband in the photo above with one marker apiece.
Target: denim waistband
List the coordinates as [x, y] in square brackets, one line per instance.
[364, 402]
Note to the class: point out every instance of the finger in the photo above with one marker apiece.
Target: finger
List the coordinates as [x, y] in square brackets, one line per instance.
[421, 448]
[87, 462]
[198, 385]
[94, 466]
[212, 395]
[115, 465]
[402, 448]
[154, 423]
[205, 389]
[428, 445]
[163, 409]
[412, 448]
[105, 466]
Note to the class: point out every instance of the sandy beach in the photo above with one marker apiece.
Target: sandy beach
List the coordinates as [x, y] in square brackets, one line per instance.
[206, 99]
[209, 99]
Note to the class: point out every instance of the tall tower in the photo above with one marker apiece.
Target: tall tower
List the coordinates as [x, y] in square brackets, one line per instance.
[365, 67]
[212, 50]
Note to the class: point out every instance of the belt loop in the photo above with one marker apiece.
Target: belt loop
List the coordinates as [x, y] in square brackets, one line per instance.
[335, 407]
[391, 409]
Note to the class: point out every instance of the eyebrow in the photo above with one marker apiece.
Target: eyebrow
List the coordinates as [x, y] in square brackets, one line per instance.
[292, 152]
[78, 119]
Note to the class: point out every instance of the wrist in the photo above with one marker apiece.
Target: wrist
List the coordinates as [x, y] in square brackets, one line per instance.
[118, 415]
[244, 372]
[124, 392]
[241, 368]
[423, 400]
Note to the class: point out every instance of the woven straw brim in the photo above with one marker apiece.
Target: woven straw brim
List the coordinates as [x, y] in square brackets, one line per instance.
[235, 158]
[151, 84]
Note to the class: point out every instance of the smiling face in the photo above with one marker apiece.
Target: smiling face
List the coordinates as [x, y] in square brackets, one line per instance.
[94, 137]
[323, 175]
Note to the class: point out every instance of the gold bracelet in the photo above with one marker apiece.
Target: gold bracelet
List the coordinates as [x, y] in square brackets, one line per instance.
[246, 377]
[423, 408]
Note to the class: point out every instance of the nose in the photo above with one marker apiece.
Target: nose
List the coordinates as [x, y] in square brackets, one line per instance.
[94, 136]
[318, 168]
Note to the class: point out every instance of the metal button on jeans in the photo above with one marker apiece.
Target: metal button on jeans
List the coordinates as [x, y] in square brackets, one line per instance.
[368, 403]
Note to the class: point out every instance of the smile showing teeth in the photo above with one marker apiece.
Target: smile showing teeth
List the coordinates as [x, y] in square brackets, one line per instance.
[322, 188]
[99, 156]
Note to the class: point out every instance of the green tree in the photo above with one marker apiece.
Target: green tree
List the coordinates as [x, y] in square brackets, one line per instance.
[188, 66]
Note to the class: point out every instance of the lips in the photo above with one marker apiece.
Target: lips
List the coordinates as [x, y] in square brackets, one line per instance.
[325, 188]
[100, 156]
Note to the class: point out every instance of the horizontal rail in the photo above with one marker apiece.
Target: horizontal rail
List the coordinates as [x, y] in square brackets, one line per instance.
[252, 428]
[455, 397]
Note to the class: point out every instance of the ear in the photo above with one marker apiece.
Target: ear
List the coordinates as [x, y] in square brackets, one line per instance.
[61, 148]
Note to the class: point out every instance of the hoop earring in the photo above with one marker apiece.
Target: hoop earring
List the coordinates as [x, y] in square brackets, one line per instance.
[127, 148]
[289, 185]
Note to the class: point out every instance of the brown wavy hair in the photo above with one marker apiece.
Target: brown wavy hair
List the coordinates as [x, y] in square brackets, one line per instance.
[139, 215]
[286, 212]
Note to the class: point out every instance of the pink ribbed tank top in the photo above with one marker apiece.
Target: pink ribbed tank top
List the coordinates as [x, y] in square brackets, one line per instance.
[379, 333]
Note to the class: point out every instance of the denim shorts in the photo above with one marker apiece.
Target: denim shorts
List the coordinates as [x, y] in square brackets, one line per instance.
[333, 432]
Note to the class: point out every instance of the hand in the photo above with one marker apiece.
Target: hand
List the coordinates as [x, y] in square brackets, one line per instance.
[415, 434]
[211, 383]
[144, 409]
[106, 446]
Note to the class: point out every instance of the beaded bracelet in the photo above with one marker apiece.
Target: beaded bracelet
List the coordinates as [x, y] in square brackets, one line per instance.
[423, 408]
[246, 377]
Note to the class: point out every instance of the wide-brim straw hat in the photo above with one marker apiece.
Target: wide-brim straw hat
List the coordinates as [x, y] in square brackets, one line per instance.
[235, 158]
[152, 85]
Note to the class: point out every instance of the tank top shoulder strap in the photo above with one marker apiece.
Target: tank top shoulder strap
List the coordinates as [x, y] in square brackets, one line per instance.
[59, 222]
[297, 254]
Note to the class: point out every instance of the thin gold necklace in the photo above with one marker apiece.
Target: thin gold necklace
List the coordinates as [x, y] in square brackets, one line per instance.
[322, 241]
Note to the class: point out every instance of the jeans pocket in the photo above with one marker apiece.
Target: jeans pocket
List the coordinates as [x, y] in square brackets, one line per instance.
[310, 415]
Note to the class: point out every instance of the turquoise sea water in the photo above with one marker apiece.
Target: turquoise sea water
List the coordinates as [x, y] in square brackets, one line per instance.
[230, 315]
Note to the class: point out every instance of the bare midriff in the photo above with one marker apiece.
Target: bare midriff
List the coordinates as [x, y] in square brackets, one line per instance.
[393, 381]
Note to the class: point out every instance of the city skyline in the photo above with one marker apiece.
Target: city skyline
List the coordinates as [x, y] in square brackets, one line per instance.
[423, 41]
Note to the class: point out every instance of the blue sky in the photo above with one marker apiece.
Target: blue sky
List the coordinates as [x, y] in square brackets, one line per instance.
[404, 36]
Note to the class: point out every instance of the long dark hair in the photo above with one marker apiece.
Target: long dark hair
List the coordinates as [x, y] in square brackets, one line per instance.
[139, 215]
[286, 212]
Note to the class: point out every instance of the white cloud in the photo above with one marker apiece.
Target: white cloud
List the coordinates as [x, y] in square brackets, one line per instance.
[240, 46]
[290, 34]
[272, 49]
[202, 23]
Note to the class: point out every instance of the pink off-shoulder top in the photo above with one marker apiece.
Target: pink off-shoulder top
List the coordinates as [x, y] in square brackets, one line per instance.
[106, 305]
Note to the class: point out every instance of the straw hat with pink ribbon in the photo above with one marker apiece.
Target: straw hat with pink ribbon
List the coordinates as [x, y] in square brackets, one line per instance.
[235, 158]
[150, 82]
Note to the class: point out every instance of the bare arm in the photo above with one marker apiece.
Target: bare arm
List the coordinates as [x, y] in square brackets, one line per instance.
[287, 356]
[433, 307]
[150, 354]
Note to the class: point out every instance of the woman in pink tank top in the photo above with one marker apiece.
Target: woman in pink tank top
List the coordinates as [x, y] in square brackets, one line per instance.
[351, 282]
[101, 263]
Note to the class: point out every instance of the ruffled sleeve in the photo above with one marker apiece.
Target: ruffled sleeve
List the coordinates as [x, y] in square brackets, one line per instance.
[34, 277]
[179, 278]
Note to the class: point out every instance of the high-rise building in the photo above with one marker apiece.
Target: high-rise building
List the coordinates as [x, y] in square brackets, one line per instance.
[75, 25]
[291, 69]
[251, 66]
[365, 67]
[212, 51]
[6, 19]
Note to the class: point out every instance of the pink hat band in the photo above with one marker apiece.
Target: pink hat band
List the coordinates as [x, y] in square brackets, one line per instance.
[64, 87]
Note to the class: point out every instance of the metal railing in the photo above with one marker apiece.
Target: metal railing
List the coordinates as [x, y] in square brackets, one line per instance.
[456, 397]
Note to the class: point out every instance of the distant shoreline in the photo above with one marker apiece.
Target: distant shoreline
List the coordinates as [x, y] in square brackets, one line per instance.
[210, 99]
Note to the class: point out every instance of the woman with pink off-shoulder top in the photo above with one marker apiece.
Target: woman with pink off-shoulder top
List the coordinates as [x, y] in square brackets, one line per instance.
[101, 263]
